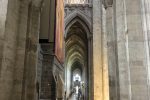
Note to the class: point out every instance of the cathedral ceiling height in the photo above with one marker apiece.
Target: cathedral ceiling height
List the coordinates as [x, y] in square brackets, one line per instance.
[74, 49]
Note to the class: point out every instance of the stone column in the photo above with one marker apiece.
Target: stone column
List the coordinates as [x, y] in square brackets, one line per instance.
[90, 74]
[31, 59]
[105, 56]
[3, 15]
[20, 52]
[97, 51]
[98, 68]
[136, 48]
[9, 36]
[111, 49]
[131, 49]
[121, 38]
[145, 5]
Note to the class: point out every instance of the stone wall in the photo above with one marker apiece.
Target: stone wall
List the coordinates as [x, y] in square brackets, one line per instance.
[51, 71]
[47, 75]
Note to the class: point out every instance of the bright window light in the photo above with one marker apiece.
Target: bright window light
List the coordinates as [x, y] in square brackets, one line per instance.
[77, 77]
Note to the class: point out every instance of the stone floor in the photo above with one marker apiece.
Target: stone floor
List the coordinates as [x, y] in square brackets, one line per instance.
[74, 97]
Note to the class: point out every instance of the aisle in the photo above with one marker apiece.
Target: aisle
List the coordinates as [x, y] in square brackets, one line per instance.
[73, 97]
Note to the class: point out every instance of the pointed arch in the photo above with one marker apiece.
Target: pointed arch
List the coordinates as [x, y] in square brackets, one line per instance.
[78, 32]
[78, 16]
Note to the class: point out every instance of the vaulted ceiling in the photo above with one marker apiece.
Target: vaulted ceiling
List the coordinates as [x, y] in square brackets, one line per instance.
[76, 46]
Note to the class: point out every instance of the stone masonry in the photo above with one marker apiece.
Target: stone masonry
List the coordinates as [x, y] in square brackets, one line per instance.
[118, 33]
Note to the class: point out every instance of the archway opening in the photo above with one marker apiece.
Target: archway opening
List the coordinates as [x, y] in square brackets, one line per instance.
[76, 50]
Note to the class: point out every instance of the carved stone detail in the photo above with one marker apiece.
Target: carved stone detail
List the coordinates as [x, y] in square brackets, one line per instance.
[85, 9]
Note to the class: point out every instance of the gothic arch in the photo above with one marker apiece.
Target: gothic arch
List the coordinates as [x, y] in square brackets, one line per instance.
[78, 16]
[78, 29]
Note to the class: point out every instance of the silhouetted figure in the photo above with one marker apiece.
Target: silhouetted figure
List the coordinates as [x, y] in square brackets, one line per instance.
[79, 93]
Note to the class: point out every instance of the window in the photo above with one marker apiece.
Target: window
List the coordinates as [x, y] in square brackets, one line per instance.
[76, 1]
[77, 77]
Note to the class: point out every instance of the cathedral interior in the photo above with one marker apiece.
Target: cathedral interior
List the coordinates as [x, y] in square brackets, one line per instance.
[74, 49]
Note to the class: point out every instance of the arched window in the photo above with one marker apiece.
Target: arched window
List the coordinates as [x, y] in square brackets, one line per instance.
[76, 1]
[77, 77]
